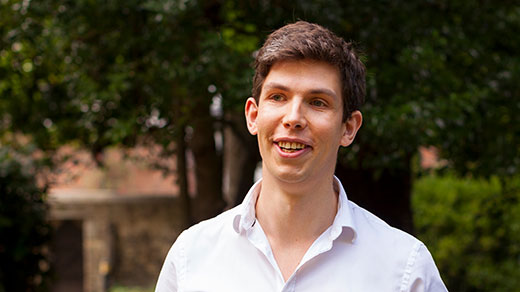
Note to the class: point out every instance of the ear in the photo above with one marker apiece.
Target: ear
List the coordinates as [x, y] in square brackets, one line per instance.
[352, 125]
[251, 111]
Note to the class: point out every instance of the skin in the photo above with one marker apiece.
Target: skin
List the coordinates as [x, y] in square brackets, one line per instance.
[300, 102]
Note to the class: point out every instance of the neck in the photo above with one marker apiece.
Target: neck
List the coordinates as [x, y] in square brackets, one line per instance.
[296, 212]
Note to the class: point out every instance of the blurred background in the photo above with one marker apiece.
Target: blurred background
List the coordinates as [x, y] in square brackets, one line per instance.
[121, 124]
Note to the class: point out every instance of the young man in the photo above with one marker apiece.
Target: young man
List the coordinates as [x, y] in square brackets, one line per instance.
[296, 229]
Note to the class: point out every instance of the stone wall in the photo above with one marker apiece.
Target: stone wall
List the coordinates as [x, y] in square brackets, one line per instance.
[125, 238]
[143, 233]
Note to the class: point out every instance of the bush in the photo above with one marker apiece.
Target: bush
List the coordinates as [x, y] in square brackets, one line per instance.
[23, 226]
[472, 228]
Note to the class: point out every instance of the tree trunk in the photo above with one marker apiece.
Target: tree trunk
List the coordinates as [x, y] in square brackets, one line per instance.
[246, 176]
[182, 176]
[385, 193]
[208, 201]
[241, 157]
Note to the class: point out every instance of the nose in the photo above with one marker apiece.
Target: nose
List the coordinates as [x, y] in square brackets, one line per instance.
[294, 117]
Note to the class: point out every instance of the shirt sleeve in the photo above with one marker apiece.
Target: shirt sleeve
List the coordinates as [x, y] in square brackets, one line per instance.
[422, 273]
[172, 268]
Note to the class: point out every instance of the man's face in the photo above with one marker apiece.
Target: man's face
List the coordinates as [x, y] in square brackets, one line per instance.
[298, 121]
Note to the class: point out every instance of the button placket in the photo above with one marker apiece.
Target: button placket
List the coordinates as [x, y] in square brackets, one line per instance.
[259, 240]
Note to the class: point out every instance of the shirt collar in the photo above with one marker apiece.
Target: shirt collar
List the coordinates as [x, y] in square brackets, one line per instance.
[344, 221]
[246, 216]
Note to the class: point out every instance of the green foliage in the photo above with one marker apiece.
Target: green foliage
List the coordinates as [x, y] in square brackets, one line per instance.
[100, 73]
[472, 228]
[442, 73]
[23, 226]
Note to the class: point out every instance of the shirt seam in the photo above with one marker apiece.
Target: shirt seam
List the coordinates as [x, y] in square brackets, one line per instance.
[183, 268]
[295, 280]
[408, 269]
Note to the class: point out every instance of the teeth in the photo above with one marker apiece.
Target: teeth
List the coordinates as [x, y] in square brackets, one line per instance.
[291, 145]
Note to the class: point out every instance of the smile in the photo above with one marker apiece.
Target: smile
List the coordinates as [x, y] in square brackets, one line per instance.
[291, 147]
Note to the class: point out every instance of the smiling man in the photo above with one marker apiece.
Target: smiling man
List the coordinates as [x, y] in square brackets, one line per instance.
[296, 230]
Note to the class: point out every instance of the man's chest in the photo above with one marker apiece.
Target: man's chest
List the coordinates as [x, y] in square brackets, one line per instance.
[246, 268]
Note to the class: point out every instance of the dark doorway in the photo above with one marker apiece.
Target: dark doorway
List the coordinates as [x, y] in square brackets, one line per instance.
[67, 256]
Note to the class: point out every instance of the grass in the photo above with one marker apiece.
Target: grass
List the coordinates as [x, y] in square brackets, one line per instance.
[119, 288]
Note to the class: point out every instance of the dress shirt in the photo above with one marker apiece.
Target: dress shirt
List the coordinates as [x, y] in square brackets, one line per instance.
[357, 253]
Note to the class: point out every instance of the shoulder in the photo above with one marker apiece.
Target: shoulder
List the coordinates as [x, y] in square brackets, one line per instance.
[392, 248]
[371, 227]
[396, 250]
[200, 237]
[209, 230]
[193, 243]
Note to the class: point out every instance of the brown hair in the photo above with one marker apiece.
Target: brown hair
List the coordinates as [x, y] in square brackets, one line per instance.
[303, 40]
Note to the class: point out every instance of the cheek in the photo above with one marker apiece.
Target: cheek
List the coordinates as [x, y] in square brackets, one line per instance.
[264, 130]
[266, 121]
[331, 134]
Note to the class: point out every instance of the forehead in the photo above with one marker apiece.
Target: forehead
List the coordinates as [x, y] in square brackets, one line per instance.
[304, 75]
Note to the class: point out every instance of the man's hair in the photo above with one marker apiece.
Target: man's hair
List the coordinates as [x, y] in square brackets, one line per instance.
[303, 40]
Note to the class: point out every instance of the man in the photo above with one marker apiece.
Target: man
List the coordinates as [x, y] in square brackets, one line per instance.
[296, 229]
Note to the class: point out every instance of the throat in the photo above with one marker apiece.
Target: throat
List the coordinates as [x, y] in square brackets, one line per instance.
[288, 257]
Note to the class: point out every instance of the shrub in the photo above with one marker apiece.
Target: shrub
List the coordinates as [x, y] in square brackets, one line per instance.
[23, 226]
[472, 228]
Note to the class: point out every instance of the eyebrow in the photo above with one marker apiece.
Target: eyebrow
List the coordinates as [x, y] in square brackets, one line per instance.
[275, 85]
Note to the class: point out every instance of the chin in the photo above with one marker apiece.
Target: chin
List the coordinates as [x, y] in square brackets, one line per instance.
[291, 177]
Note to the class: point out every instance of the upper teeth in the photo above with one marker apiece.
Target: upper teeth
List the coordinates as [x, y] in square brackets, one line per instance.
[291, 145]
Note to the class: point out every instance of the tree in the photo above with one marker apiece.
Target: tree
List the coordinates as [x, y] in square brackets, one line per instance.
[440, 73]
[74, 73]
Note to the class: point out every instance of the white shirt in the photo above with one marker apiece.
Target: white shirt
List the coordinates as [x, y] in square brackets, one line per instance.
[358, 252]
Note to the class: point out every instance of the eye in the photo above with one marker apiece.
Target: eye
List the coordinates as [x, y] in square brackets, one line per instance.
[318, 103]
[277, 97]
